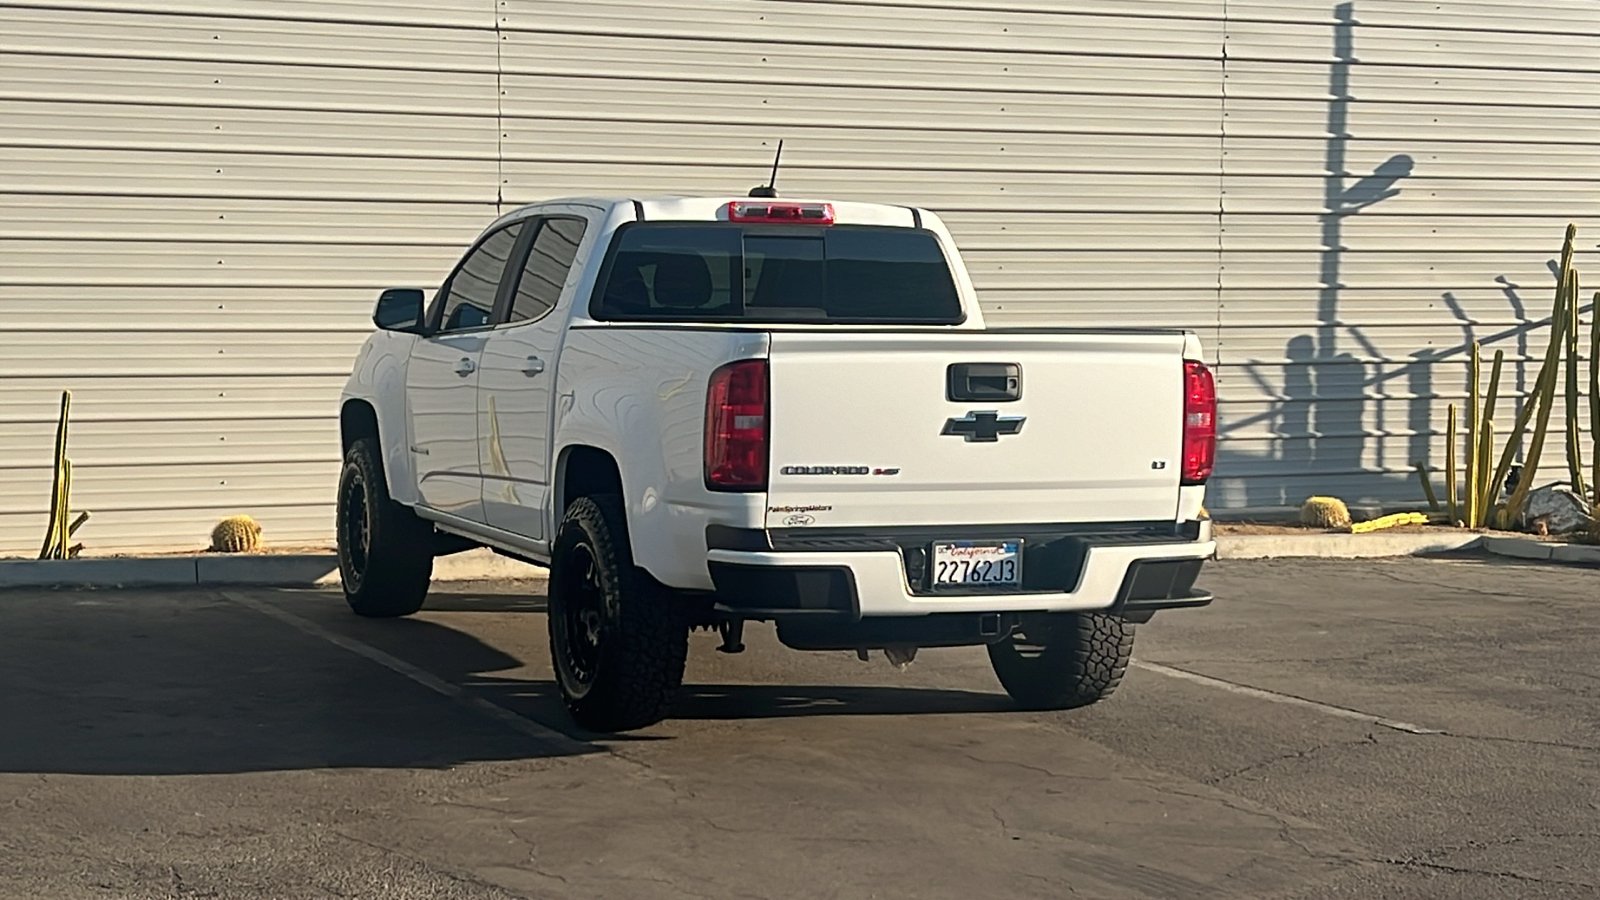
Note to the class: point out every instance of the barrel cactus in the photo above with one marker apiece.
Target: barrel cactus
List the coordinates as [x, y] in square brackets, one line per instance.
[236, 534]
[1324, 512]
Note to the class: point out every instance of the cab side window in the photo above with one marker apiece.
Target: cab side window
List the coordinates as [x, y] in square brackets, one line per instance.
[545, 274]
[468, 298]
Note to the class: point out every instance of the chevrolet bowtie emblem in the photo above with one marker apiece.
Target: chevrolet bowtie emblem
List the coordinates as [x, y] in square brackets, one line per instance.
[983, 427]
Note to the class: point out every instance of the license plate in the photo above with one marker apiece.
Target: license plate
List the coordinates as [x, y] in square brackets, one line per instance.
[977, 564]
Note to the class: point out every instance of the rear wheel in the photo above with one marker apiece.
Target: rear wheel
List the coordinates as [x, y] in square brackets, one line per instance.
[1063, 660]
[385, 549]
[617, 641]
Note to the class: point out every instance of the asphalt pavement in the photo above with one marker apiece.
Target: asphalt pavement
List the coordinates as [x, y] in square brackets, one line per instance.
[1327, 729]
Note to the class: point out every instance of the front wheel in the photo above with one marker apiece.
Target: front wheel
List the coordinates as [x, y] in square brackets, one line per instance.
[617, 642]
[1063, 660]
[385, 549]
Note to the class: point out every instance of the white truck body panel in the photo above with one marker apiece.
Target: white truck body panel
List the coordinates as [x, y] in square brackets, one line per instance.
[441, 399]
[1082, 454]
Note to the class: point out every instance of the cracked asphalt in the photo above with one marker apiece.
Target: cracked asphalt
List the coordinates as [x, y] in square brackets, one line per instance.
[1327, 729]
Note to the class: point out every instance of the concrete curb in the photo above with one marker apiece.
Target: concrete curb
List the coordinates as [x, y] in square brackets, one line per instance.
[1579, 554]
[1518, 548]
[1369, 546]
[222, 569]
[1340, 546]
[322, 569]
[1551, 551]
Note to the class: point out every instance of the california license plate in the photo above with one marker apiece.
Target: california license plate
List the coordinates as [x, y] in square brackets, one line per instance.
[977, 564]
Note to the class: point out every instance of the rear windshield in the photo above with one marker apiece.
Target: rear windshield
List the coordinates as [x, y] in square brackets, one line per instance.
[724, 272]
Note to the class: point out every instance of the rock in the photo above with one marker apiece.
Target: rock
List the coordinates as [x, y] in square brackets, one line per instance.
[1557, 508]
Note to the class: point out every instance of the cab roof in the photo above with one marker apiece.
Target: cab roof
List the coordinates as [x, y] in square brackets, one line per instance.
[713, 209]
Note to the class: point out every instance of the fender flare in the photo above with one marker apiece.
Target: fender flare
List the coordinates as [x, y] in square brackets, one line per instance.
[379, 383]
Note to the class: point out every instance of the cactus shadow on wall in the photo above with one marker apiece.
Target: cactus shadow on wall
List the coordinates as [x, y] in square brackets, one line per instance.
[1331, 411]
[1317, 416]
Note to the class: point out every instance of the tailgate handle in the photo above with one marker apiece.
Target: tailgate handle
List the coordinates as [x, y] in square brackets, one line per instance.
[983, 382]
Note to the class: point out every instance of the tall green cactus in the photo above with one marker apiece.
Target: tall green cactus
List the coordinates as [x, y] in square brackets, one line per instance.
[59, 532]
[1474, 371]
[1427, 485]
[1543, 395]
[1546, 391]
[1480, 490]
[1471, 473]
[1484, 492]
[1450, 466]
[1574, 434]
[1594, 390]
[1529, 406]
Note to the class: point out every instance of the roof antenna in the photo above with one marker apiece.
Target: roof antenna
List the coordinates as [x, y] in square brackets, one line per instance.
[769, 191]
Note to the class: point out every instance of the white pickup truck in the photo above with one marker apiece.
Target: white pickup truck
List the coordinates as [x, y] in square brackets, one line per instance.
[699, 412]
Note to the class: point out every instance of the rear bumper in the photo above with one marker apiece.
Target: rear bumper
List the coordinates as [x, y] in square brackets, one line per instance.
[771, 584]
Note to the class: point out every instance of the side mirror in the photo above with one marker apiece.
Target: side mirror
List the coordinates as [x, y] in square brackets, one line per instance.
[400, 309]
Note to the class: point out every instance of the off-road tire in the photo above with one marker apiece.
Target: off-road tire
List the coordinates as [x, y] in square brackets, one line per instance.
[385, 549]
[1063, 660]
[618, 642]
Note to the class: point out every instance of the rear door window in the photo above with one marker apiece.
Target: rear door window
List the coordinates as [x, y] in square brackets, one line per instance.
[549, 263]
[723, 272]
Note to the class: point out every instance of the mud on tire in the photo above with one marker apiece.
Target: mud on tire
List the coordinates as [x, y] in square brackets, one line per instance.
[617, 640]
[385, 549]
[1063, 660]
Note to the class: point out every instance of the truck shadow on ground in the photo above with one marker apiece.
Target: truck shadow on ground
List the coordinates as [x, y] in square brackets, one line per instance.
[537, 697]
[763, 701]
[540, 701]
[187, 683]
[493, 603]
[184, 683]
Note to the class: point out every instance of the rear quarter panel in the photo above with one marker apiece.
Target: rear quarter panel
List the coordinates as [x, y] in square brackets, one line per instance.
[639, 394]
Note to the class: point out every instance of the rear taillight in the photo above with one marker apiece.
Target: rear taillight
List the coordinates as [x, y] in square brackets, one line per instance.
[1199, 423]
[736, 427]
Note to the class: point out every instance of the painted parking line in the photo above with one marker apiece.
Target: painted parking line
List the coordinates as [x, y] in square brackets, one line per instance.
[549, 741]
[1245, 690]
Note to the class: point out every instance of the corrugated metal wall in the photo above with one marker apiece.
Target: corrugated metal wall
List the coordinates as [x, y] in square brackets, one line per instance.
[197, 210]
[1397, 175]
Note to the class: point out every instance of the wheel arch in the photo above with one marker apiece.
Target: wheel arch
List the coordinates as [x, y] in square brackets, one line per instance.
[585, 470]
[359, 418]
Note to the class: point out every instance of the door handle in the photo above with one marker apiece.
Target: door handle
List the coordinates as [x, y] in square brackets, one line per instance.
[465, 367]
[535, 366]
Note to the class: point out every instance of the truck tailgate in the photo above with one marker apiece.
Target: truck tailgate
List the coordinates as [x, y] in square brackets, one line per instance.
[864, 432]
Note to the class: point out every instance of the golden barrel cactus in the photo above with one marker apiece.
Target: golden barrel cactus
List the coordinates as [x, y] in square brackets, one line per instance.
[1324, 512]
[236, 534]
